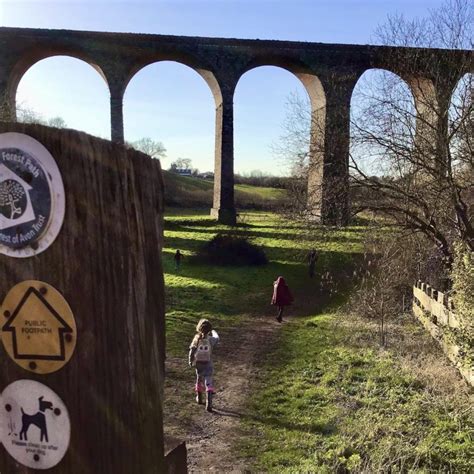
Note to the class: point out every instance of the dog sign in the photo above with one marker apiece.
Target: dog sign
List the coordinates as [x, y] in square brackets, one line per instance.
[32, 202]
[34, 424]
[39, 333]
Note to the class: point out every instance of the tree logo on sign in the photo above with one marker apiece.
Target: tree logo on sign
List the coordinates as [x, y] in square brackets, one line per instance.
[32, 198]
[13, 200]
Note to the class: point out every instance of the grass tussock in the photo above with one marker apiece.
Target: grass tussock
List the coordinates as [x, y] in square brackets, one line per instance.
[226, 249]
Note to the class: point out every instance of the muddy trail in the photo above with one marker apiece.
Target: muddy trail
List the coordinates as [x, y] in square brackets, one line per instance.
[210, 437]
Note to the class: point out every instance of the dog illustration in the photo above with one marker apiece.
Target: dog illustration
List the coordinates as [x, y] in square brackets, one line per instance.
[38, 419]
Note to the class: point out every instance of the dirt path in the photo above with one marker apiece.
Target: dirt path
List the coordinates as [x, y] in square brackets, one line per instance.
[209, 437]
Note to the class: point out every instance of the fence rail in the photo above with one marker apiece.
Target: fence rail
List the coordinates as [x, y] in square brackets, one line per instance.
[434, 310]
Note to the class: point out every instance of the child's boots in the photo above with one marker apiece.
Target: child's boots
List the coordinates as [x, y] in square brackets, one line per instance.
[209, 401]
[199, 389]
[200, 398]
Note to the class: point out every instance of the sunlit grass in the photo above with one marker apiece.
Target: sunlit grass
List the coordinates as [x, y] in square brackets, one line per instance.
[326, 405]
[228, 294]
[320, 402]
[266, 193]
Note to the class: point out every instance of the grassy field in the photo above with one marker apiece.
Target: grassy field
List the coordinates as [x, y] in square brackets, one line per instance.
[200, 290]
[265, 193]
[187, 191]
[325, 398]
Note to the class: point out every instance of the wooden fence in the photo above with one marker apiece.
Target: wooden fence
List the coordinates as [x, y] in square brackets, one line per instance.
[435, 311]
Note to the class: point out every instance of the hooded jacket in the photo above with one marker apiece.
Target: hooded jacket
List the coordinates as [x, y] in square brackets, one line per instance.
[281, 293]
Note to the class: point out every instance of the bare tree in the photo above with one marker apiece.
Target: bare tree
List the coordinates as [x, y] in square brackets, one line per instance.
[57, 122]
[26, 114]
[377, 295]
[184, 163]
[410, 160]
[151, 147]
[424, 178]
[293, 150]
[181, 164]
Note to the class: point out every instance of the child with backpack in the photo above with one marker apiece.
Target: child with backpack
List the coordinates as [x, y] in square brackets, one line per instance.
[200, 354]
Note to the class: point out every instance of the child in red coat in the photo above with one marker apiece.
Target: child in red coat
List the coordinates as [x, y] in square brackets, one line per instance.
[281, 296]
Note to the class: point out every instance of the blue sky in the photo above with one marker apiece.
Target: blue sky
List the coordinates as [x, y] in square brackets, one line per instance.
[170, 102]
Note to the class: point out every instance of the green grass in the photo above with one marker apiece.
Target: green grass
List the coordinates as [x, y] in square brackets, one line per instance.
[188, 181]
[189, 191]
[325, 405]
[191, 183]
[265, 193]
[200, 290]
[325, 398]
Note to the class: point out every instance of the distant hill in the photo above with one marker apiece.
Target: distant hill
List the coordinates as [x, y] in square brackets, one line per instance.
[186, 191]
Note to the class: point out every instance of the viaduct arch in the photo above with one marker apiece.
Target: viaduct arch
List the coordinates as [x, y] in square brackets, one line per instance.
[328, 71]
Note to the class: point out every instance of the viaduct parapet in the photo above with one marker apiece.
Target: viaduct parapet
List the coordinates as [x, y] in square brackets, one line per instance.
[329, 73]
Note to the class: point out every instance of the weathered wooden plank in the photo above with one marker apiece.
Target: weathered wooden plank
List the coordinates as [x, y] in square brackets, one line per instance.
[444, 317]
[453, 320]
[106, 262]
[436, 307]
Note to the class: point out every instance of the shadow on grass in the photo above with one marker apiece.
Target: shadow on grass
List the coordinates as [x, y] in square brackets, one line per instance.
[232, 290]
[277, 245]
[222, 293]
[228, 413]
[184, 224]
[274, 252]
[240, 231]
[324, 428]
[276, 235]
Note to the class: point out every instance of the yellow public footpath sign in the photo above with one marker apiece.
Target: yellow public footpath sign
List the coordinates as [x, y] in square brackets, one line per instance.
[39, 332]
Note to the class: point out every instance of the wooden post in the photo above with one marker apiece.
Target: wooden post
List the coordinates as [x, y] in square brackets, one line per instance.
[106, 262]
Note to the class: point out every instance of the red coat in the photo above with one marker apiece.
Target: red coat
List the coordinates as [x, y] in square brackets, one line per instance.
[281, 293]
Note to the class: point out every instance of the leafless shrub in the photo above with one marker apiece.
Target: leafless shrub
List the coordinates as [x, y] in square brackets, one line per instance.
[393, 260]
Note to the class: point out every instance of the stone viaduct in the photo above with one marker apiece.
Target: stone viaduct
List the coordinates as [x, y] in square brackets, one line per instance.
[329, 73]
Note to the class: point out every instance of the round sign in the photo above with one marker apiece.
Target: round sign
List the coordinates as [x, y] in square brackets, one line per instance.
[31, 196]
[34, 424]
[39, 332]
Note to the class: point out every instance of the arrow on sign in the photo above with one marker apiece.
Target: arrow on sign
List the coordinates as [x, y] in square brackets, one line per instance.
[37, 329]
